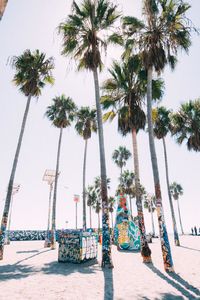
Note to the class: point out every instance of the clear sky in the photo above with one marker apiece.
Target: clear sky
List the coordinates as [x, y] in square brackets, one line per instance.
[32, 25]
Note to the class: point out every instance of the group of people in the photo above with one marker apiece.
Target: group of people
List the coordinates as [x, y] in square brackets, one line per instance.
[195, 231]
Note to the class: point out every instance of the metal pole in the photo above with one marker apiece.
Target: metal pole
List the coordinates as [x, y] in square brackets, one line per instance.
[47, 242]
[76, 215]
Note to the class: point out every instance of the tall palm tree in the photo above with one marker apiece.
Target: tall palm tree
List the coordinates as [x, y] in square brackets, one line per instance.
[111, 201]
[33, 72]
[98, 205]
[86, 123]
[176, 191]
[124, 92]
[126, 182]
[162, 125]
[186, 124]
[150, 204]
[91, 200]
[3, 4]
[85, 33]
[164, 31]
[120, 157]
[61, 113]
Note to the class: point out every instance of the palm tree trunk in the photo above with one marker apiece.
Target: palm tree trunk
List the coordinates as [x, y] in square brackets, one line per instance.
[179, 213]
[112, 220]
[130, 205]
[3, 4]
[98, 223]
[11, 180]
[47, 239]
[106, 243]
[90, 216]
[7, 237]
[176, 237]
[53, 222]
[145, 250]
[84, 194]
[152, 221]
[165, 246]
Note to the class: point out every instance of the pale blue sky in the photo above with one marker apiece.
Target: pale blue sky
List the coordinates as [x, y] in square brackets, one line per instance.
[31, 25]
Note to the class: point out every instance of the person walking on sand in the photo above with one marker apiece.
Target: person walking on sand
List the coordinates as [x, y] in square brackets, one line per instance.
[195, 230]
[192, 231]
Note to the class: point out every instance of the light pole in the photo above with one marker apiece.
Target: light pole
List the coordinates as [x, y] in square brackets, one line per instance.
[76, 200]
[15, 189]
[49, 177]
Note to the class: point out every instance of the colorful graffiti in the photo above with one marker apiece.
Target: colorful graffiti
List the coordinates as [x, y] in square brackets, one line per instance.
[77, 247]
[126, 231]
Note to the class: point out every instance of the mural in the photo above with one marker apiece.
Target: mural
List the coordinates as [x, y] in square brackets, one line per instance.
[126, 231]
[77, 246]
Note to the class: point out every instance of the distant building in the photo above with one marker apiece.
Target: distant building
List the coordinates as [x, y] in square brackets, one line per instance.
[3, 4]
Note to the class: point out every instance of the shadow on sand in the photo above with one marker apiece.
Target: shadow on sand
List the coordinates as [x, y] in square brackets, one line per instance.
[108, 284]
[190, 248]
[178, 283]
[8, 272]
[163, 296]
[62, 268]
[16, 270]
[28, 251]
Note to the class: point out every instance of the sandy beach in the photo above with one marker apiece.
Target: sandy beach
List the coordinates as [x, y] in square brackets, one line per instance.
[31, 272]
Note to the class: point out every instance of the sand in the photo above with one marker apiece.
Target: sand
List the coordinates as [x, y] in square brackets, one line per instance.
[30, 272]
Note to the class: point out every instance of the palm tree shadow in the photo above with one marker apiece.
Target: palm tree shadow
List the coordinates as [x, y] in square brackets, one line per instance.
[169, 296]
[28, 251]
[8, 272]
[29, 257]
[186, 284]
[180, 284]
[190, 248]
[108, 284]
[59, 268]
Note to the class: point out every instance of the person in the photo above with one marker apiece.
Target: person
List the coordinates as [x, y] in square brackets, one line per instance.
[192, 231]
[195, 230]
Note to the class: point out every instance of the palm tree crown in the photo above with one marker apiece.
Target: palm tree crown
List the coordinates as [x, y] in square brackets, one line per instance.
[33, 71]
[86, 122]
[84, 31]
[165, 30]
[162, 122]
[120, 156]
[124, 92]
[186, 125]
[61, 112]
[176, 190]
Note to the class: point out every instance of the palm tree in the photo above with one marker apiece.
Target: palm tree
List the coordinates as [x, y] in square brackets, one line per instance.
[124, 92]
[85, 124]
[176, 191]
[162, 125]
[85, 33]
[33, 72]
[120, 157]
[91, 200]
[150, 204]
[111, 201]
[98, 204]
[61, 113]
[164, 31]
[3, 4]
[186, 124]
[126, 184]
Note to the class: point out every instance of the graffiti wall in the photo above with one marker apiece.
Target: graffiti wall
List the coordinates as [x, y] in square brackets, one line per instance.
[30, 235]
[126, 231]
[77, 247]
